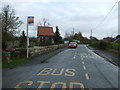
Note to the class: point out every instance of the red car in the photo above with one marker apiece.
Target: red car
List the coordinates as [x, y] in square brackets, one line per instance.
[72, 45]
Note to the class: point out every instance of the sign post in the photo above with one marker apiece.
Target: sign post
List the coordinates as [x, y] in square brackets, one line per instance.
[30, 21]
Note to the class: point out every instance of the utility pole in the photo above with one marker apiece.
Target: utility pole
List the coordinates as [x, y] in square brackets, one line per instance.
[91, 32]
[73, 31]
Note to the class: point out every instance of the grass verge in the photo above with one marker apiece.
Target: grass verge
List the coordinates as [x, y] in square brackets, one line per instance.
[14, 62]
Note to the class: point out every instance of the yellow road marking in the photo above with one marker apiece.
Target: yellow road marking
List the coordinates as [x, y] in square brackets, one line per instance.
[42, 83]
[70, 72]
[45, 71]
[29, 84]
[87, 76]
[53, 73]
[84, 67]
[73, 83]
[54, 84]
[83, 62]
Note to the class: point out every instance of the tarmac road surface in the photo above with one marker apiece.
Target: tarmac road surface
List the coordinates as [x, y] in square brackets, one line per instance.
[72, 68]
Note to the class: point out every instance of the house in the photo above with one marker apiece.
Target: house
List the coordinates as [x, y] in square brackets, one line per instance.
[45, 36]
[117, 39]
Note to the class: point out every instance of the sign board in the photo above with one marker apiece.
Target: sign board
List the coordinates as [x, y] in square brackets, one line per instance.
[30, 20]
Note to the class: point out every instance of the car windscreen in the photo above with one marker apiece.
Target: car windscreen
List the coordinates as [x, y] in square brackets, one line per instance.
[72, 43]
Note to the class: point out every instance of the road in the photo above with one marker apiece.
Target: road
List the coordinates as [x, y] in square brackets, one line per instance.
[71, 68]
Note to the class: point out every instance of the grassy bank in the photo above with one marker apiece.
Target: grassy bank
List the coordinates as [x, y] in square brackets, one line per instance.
[14, 62]
[113, 47]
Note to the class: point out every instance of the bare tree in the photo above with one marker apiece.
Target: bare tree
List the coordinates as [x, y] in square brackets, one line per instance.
[44, 22]
[48, 24]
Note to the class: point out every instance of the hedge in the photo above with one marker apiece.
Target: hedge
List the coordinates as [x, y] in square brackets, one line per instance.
[115, 46]
[99, 44]
[105, 45]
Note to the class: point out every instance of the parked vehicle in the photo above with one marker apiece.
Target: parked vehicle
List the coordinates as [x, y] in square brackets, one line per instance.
[72, 45]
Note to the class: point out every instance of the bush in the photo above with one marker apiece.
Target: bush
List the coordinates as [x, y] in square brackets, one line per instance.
[103, 45]
[115, 46]
[99, 44]
[94, 44]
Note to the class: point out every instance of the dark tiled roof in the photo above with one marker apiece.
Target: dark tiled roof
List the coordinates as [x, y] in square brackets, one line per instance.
[45, 31]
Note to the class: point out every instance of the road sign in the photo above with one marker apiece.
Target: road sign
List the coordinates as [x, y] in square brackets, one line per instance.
[30, 20]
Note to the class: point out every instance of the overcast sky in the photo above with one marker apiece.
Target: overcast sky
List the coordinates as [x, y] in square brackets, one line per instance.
[82, 15]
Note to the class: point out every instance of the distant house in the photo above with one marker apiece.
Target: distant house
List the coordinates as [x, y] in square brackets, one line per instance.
[45, 35]
[117, 39]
